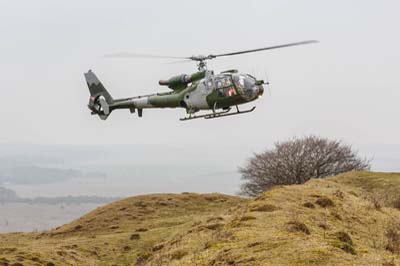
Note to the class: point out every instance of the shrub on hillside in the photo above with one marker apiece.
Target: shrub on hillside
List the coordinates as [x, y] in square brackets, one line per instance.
[263, 208]
[378, 201]
[344, 237]
[297, 226]
[247, 218]
[393, 237]
[309, 205]
[178, 254]
[396, 203]
[344, 242]
[325, 202]
[296, 161]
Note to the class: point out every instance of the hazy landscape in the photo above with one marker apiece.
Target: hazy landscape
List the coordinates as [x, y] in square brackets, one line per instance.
[22, 217]
[342, 220]
[117, 170]
[41, 180]
[113, 171]
[212, 133]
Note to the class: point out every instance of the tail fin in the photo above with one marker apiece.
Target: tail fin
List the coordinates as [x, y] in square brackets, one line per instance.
[96, 88]
[100, 98]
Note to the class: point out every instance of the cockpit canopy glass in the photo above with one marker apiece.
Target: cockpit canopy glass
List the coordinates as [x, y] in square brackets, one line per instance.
[246, 84]
[223, 82]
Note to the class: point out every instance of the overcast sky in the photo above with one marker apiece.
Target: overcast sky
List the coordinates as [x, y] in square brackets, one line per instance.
[346, 87]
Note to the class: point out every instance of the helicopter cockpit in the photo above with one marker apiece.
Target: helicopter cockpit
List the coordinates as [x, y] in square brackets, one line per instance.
[246, 85]
[224, 86]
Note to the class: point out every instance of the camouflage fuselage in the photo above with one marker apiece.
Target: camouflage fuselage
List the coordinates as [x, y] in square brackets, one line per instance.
[208, 91]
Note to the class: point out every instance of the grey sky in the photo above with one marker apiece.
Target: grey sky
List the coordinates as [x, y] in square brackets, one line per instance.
[345, 87]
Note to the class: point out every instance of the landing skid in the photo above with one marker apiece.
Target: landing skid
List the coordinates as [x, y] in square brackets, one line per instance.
[218, 114]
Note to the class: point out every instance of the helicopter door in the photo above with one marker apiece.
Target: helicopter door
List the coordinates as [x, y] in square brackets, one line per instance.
[225, 87]
[209, 83]
[209, 86]
[197, 99]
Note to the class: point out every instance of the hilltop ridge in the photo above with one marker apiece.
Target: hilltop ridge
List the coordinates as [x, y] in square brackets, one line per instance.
[342, 220]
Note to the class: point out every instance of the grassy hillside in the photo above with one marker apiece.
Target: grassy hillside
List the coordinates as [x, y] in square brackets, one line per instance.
[114, 234]
[350, 219]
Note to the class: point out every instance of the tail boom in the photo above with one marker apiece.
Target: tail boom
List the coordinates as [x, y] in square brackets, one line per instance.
[102, 104]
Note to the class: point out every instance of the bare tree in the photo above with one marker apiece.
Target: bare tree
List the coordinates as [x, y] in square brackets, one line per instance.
[297, 160]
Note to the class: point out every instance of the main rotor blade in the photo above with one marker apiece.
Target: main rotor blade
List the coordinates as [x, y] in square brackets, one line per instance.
[134, 55]
[265, 48]
[179, 61]
[202, 58]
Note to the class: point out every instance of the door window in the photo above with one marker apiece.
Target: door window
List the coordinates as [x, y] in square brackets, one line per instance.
[225, 86]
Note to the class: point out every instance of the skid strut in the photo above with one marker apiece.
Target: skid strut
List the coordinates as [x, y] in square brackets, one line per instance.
[218, 114]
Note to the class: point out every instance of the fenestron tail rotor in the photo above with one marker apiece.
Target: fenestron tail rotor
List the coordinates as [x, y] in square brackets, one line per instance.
[201, 59]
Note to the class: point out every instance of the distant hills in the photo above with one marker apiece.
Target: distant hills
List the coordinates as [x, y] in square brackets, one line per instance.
[130, 168]
[10, 196]
[29, 175]
[350, 219]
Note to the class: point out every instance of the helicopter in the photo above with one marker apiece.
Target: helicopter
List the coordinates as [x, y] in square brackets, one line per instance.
[202, 90]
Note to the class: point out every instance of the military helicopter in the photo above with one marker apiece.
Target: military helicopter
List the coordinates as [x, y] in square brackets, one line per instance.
[202, 90]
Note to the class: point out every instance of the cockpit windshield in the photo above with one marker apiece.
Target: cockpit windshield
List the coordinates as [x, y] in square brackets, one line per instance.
[245, 84]
[225, 86]
[249, 83]
[223, 82]
[239, 81]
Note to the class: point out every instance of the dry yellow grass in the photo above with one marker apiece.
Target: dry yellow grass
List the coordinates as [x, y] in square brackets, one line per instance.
[341, 228]
[106, 235]
[323, 222]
